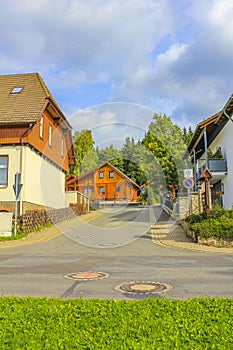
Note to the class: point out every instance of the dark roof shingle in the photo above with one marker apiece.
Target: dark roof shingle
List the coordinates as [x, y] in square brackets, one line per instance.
[25, 106]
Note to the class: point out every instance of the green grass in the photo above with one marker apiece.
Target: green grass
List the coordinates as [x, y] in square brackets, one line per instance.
[40, 323]
[13, 237]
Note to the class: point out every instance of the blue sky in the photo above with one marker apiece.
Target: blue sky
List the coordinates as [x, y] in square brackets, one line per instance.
[162, 56]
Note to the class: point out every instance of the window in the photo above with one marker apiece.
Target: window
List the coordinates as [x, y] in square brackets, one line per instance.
[3, 170]
[111, 174]
[101, 174]
[50, 135]
[41, 126]
[101, 189]
[16, 90]
[118, 188]
[62, 147]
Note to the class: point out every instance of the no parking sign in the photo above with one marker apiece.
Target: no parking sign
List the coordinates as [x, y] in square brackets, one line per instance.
[188, 182]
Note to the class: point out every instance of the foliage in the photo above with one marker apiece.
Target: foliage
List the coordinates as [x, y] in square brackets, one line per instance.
[14, 237]
[193, 218]
[83, 145]
[156, 161]
[41, 323]
[218, 224]
[112, 155]
[164, 140]
[221, 228]
[187, 135]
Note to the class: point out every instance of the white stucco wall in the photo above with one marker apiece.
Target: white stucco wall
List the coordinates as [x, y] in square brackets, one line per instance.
[224, 140]
[43, 183]
[13, 153]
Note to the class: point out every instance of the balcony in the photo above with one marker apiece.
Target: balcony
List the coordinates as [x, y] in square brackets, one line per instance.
[218, 167]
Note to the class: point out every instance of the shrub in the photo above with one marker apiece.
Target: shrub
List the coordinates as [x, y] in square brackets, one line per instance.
[221, 228]
[195, 218]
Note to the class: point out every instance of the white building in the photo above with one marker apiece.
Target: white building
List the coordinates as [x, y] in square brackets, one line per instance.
[35, 141]
[211, 147]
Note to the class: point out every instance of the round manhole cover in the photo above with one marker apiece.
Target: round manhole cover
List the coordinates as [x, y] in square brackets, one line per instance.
[107, 245]
[143, 287]
[87, 276]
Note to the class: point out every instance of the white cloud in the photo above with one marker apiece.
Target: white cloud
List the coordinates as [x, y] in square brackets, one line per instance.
[175, 57]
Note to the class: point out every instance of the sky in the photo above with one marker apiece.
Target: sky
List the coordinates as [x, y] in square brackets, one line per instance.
[112, 64]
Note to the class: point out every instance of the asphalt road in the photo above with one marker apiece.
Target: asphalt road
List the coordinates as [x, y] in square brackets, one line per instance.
[118, 243]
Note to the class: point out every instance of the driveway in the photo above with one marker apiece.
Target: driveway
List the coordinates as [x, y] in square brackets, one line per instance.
[117, 243]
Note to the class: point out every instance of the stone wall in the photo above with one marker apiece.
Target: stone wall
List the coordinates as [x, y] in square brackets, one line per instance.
[32, 219]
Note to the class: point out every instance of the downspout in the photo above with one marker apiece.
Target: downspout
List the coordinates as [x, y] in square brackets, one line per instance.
[195, 170]
[206, 149]
[21, 164]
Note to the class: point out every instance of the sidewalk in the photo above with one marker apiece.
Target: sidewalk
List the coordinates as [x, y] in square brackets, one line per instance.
[172, 236]
[50, 232]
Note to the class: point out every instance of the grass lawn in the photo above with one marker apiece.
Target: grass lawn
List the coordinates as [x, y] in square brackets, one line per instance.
[42, 323]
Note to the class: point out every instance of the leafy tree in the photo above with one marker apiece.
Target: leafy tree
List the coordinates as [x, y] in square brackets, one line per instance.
[83, 145]
[112, 155]
[164, 140]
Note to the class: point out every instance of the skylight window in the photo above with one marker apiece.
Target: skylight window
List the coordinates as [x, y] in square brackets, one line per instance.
[17, 90]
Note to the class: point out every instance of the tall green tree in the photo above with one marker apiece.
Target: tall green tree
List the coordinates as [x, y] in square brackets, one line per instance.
[84, 151]
[164, 140]
[133, 156]
[187, 135]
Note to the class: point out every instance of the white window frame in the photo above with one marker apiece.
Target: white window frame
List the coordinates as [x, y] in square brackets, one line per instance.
[41, 126]
[3, 166]
[50, 135]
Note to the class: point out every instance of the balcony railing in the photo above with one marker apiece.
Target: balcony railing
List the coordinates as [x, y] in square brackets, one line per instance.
[215, 166]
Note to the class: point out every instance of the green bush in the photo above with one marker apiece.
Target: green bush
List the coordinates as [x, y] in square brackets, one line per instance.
[221, 228]
[195, 218]
[41, 323]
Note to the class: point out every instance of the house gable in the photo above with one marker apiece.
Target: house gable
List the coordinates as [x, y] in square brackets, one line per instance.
[32, 117]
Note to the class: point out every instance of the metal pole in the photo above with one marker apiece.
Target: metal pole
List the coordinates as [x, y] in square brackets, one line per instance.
[15, 228]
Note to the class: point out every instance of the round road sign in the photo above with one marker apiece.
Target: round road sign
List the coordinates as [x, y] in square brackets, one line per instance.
[188, 182]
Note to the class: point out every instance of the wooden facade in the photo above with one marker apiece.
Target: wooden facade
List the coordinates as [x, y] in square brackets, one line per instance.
[105, 182]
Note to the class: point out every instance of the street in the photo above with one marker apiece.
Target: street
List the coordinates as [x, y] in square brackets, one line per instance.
[116, 242]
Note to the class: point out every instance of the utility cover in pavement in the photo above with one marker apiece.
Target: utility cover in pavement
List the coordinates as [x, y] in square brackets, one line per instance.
[143, 287]
[87, 276]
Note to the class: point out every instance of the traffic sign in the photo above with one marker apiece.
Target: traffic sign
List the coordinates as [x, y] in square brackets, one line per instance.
[17, 185]
[188, 173]
[188, 182]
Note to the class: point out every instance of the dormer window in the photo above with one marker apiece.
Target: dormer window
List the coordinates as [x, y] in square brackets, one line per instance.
[16, 90]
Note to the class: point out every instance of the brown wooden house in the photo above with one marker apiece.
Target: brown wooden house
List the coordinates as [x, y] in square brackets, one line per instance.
[105, 182]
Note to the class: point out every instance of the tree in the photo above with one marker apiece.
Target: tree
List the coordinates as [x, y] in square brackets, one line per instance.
[133, 156]
[110, 154]
[187, 136]
[84, 151]
[164, 140]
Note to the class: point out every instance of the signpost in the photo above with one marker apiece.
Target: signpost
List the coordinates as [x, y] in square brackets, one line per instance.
[17, 189]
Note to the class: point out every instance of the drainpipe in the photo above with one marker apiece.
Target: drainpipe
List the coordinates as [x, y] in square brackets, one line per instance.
[206, 149]
[195, 172]
[21, 164]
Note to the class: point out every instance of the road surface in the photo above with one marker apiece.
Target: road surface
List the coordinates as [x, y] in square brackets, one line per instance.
[118, 243]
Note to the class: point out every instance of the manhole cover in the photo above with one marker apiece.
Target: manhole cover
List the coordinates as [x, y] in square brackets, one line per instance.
[143, 287]
[87, 276]
[107, 245]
